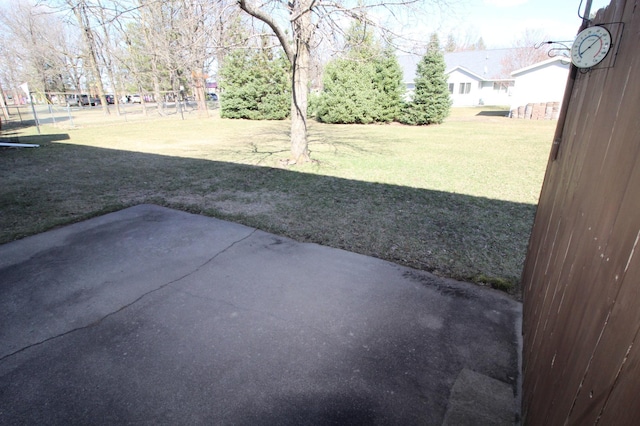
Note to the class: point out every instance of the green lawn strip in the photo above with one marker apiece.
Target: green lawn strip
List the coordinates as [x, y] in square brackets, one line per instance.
[456, 199]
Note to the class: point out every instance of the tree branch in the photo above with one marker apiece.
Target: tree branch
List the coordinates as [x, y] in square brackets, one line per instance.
[279, 32]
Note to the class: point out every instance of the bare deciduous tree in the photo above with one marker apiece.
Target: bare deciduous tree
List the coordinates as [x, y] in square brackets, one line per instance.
[79, 8]
[298, 53]
[3, 104]
[10, 70]
[172, 43]
[297, 24]
[106, 48]
[527, 50]
[30, 51]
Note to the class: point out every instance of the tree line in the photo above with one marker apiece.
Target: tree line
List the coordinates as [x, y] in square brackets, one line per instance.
[363, 85]
[273, 57]
[123, 46]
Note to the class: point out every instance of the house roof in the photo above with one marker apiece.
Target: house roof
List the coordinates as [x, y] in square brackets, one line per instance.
[409, 65]
[486, 64]
[463, 69]
[483, 64]
[558, 59]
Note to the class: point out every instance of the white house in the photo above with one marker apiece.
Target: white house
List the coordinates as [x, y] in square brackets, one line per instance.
[542, 82]
[478, 77]
[475, 77]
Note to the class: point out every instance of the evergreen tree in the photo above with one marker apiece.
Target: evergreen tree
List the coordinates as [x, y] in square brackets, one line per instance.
[431, 102]
[348, 93]
[255, 85]
[389, 85]
[364, 86]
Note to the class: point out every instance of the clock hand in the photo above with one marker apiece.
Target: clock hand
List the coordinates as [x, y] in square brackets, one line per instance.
[591, 45]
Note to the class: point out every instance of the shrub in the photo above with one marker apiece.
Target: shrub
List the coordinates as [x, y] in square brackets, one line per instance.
[431, 102]
[364, 86]
[256, 86]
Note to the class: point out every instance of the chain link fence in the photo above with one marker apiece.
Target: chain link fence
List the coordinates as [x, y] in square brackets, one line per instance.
[70, 110]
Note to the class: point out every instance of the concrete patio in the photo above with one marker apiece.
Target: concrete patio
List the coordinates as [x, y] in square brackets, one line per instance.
[155, 316]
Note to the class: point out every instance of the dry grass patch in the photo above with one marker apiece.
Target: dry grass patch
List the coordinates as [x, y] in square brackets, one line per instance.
[457, 199]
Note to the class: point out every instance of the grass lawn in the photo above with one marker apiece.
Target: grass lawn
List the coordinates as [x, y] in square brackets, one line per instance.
[457, 199]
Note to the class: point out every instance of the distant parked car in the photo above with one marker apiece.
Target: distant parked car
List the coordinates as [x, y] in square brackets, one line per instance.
[95, 101]
[135, 99]
[110, 99]
[77, 100]
[73, 100]
[212, 97]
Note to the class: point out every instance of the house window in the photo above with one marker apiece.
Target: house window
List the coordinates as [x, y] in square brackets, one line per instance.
[451, 88]
[465, 88]
[502, 86]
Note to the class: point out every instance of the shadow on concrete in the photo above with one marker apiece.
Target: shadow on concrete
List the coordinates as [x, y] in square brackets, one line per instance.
[152, 315]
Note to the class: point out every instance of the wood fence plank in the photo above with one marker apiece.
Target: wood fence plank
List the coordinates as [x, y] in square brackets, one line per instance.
[579, 321]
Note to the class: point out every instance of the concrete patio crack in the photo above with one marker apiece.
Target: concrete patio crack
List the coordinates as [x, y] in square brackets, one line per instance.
[128, 305]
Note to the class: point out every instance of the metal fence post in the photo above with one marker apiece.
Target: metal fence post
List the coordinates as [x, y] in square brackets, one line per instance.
[70, 116]
[35, 116]
[53, 117]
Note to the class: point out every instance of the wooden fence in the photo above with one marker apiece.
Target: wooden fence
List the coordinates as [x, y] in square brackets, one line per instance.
[581, 282]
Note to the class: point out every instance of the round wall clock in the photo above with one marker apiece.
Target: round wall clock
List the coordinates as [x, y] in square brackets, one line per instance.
[590, 47]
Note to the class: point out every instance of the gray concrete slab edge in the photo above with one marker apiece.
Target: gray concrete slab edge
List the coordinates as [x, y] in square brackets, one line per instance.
[155, 316]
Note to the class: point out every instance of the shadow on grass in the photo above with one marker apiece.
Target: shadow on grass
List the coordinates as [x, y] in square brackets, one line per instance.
[11, 127]
[453, 235]
[503, 113]
[35, 139]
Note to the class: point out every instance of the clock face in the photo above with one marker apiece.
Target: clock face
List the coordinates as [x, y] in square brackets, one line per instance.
[590, 47]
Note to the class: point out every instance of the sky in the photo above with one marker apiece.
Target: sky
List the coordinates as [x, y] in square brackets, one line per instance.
[500, 22]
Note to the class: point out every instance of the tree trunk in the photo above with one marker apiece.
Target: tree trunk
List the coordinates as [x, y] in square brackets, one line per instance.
[299, 57]
[156, 91]
[108, 59]
[83, 20]
[17, 97]
[143, 103]
[149, 38]
[3, 104]
[199, 82]
[112, 81]
[299, 103]
[303, 30]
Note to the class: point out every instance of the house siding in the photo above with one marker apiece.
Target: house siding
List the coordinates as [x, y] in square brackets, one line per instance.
[458, 77]
[481, 92]
[543, 84]
[492, 96]
[481, 69]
